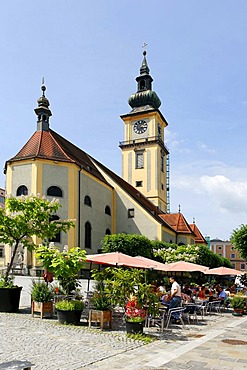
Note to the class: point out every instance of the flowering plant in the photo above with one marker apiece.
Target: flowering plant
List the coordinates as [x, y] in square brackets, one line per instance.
[133, 313]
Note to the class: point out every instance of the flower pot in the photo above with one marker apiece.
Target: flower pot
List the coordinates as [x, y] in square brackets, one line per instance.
[238, 312]
[42, 307]
[101, 316]
[10, 299]
[134, 327]
[69, 317]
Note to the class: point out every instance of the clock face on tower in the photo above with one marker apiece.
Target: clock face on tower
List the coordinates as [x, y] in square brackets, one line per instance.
[140, 126]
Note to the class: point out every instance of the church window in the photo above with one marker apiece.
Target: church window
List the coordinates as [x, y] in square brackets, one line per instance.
[57, 237]
[162, 186]
[1, 252]
[22, 190]
[87, 201]
[162, 163]
[88, 235]
[142, 85]
[138, 184]
[54, 191]
[108, 232]
[131, 213]
[108, 210]
[139, 159]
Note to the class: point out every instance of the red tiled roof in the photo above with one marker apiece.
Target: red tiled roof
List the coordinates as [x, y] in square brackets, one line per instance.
[199, 239]
[177, 222]
[51, 146]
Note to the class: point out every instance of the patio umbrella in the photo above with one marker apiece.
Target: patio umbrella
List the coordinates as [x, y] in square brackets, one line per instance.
[118, 259]
[223, 271]
[155, 264]
[182, 266]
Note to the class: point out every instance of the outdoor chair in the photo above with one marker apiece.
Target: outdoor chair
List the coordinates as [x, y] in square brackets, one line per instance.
[215, 306]
[157, 321]
[170, 313]
[191, 310]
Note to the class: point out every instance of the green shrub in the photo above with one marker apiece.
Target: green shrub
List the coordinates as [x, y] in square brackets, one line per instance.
[41, 292]
[73, 305]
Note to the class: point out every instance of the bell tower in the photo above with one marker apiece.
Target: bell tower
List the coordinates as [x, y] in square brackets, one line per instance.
[145, 161]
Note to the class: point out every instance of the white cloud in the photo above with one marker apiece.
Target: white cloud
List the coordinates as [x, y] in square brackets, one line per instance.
[229, 196]
[205, 148]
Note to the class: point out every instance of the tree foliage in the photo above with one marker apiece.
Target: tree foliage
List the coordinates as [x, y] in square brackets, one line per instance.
[28, 216]
[239, 240]
[131, 244]
[199, 254]
[65, 265]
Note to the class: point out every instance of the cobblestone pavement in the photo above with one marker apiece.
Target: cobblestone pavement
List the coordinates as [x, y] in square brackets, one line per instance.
[217, 342]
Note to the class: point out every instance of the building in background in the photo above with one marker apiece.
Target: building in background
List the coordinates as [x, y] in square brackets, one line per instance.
[225, 249]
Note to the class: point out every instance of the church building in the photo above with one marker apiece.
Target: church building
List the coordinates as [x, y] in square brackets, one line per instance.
[101, 201]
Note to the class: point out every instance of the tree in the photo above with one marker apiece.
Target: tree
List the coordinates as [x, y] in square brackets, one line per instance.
[65, 265]
[131, 244]
[239, 240]
[28, 216]
[199, 254]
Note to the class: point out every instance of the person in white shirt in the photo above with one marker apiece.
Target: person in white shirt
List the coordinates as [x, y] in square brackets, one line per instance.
[175, 298]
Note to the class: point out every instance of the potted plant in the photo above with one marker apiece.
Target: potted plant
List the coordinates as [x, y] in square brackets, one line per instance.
[101, 302]
[134, 316]
[65, 266]
[42, 298]
[69, 311]
[238, 304]
[123, 284]
[21, 219]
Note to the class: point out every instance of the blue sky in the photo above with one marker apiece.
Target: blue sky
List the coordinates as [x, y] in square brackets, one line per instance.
[90, 54]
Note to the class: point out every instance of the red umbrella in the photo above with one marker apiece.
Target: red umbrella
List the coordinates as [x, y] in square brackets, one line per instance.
[118, 259]
[223, 271]
[182, 266]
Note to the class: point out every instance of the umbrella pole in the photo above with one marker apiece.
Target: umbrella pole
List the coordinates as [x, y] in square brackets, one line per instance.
[88, 280]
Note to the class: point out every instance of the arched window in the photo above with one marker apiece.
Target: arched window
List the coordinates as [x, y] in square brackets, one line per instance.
[57, 238]
[88, 235]
[87, 201]
[22, 190]
[54, 191]
[108, 232]
[108, 210]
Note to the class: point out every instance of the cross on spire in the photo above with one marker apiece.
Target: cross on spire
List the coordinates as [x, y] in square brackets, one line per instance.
[144, 48]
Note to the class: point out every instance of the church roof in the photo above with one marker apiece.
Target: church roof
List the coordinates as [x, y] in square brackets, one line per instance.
[52, 146]
[199, 239]
[177, 222]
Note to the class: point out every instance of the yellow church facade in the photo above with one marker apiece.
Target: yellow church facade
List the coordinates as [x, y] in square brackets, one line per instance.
[99, 200]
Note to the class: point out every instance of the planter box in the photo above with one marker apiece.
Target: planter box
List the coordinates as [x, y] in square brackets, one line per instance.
[100, 316]
[42, 307]
[10, 299]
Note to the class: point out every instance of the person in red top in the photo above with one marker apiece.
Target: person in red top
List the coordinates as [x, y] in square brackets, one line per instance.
[201, 294]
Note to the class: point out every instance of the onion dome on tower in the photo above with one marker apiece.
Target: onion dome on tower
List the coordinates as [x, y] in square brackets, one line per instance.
[145, 97]
[43, 112]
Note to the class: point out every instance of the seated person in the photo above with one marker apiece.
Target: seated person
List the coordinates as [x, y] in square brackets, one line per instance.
[201, 294]
[222, 295]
